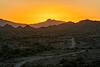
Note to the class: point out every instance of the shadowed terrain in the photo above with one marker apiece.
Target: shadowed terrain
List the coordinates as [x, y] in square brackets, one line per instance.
[53, 40]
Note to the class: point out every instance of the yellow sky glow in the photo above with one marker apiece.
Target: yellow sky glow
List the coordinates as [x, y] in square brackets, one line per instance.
[31, 12]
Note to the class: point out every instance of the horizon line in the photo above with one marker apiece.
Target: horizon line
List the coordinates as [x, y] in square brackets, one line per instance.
[45, 21]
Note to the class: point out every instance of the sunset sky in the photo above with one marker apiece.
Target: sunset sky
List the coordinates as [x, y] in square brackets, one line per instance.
[35, 11]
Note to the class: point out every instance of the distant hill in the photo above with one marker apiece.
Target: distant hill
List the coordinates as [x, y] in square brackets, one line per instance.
[83, 26]
[55, 25]
[6, 22]
[46, 23]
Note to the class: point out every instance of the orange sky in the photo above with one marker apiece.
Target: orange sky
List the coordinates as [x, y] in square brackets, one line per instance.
[35, 11]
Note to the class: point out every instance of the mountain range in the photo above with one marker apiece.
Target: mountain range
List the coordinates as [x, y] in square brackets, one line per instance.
[86, 24]
[46, 23]
[49, 27]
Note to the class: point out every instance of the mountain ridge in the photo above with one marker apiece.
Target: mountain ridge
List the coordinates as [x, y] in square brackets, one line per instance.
[4, 22]
[48, 22]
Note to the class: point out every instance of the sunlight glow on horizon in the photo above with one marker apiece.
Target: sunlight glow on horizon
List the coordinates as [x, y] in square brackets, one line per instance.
[31, 12]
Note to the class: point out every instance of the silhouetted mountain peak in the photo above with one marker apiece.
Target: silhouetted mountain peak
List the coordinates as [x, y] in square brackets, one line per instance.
[19, 27]
[50, 20]
[3, 22]
[86, 21]
[8, 26]
[27, 26]
[70, 22]
[1, 19]
[53, 21]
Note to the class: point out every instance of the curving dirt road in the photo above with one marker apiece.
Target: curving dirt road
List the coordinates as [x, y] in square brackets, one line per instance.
[31, 59]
